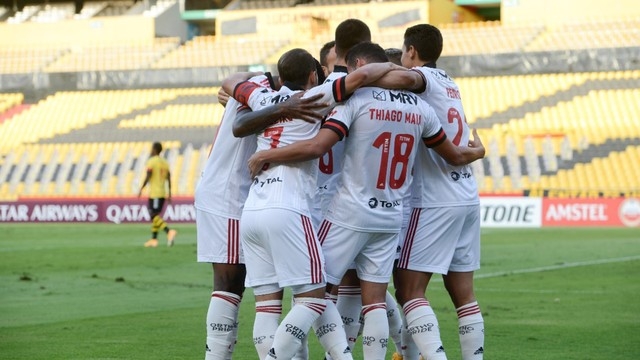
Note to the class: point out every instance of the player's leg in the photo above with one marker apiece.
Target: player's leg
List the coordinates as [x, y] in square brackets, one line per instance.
[153, 212]
[303, 270]
[339, 255]
[218, 242]
[261, 276]
[459, 284]
[350, 304]
[423, 253]
[374, 265]
[267, 319]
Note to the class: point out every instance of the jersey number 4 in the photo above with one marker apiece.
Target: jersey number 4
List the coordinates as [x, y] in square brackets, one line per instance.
[399, 151]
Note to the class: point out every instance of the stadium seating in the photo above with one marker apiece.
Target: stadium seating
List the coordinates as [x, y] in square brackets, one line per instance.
[554, 131]
[589, 35]
[206, 51]
[118, 56]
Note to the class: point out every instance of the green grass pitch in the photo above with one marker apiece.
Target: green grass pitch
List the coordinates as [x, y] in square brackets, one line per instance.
[72, 291]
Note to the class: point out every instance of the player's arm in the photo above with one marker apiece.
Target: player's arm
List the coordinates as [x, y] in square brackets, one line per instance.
[299, 151]
[145, 182]
[366, 75]
[456, 155]
[223, 97]
[229, 84]
[169, 186]
[403, 78]
[249, 122]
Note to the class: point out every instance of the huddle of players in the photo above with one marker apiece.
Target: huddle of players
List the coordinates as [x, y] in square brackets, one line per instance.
[372, 171]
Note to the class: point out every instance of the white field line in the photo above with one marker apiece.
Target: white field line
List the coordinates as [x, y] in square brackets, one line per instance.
[557, 267]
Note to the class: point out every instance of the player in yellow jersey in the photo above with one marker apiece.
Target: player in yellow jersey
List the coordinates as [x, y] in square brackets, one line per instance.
[157, 176]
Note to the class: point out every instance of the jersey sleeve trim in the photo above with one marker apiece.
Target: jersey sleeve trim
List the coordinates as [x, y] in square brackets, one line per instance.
[340, 90]
[423, 88]
[436, 139]
[336, 126]
[243, 91]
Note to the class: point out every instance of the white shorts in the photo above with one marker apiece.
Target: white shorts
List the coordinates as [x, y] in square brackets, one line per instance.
[280, 247]
[439, 240]
[218, 239]
[372, 253]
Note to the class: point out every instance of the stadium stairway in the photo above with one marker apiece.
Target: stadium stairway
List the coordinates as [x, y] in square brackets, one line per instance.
[579, 157]
[516, 112]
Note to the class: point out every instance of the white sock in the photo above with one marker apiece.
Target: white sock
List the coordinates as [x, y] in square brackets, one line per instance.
[350, 306]
[471, 330]
[409, 348]
[265, 325]
[375, 333]
[330, 333]
[395, 322]
[221, 324]
[303, 350]
[423, 326]
[295, 326]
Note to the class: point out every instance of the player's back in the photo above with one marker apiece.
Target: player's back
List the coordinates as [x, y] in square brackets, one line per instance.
[288, 186]
[384, 128]
[442, 184]
[225, 180]
[159, 171]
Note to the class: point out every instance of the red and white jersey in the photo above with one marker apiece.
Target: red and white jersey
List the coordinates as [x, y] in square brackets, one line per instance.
[225, 180]
[330, 163]
[437, 183]
[287, 186]
[385, 129]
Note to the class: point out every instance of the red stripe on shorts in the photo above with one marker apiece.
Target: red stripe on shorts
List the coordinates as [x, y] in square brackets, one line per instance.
[233, 241]
[324, 230]
[312, 247]
[408, 239]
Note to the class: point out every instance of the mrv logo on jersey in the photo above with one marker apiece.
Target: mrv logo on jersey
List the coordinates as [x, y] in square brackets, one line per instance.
[375, 203]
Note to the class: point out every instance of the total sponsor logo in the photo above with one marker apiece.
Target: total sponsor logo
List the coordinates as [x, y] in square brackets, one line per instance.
[378, 203]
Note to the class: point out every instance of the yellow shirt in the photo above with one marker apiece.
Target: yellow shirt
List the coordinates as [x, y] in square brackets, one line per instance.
[159, 175]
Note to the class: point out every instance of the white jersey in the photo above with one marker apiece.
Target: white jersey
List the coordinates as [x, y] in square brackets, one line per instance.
[385, 129]
[330, 163]
[225, 180]
[438, 183]
[289, 186]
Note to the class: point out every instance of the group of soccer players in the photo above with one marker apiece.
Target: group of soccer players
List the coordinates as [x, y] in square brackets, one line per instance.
[321, 185]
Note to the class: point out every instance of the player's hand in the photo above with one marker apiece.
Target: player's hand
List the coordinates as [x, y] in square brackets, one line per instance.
[223, 97]
[305, 109]
[476, 142]
[256, 163]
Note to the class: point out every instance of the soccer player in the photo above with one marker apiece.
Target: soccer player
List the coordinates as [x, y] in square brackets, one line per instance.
[328, 57]
[284, 194]
[444, 236]
[364, 218]
[219, 198]
[394, 55]
[158, 176]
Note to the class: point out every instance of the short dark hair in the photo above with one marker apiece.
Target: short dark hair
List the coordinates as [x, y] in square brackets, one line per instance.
[394, 55]
[370, 52]
[324, 52]
[157, 147]
[426, 39]
[295, 66]
[349, 33]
